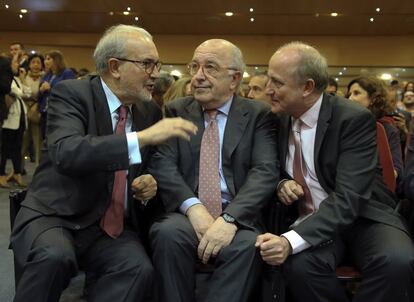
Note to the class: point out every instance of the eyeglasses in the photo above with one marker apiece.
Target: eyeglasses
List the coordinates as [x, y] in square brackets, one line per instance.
[147, 65]
[209, 69]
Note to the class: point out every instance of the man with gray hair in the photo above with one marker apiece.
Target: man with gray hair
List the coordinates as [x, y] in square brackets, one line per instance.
[84, 204]
[214, 187]
[333, 185]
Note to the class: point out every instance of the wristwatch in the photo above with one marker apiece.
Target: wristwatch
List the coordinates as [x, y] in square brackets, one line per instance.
[229, 219]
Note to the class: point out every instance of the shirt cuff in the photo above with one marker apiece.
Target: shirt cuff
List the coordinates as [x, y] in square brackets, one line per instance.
[188, 204]
[134, 154]
[297, 243]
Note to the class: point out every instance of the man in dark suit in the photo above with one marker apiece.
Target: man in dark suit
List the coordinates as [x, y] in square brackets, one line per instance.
[79, 210]
[241, 182]
[328, 155]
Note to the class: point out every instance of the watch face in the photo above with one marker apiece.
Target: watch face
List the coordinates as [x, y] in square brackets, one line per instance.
[228, 218]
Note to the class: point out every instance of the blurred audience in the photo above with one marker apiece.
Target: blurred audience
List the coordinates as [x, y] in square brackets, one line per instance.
[257, 87]
[56, 71]
[32, 135]
[332, 87]
[161, 85]
[371, 93]
[178, 89]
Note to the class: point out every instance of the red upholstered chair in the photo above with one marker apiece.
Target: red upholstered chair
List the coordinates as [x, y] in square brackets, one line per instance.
[350, 273]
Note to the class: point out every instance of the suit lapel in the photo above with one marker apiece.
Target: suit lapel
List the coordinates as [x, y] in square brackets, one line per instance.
[323, 123]
[237, 121]
[284, 139]
[194, 113]
[102, 114]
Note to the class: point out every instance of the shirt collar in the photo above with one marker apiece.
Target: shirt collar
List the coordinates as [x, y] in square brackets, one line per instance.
[225, 108]
[310, 117]
[113, 102]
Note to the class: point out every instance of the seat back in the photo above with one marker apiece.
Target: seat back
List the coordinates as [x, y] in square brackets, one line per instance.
[385, 158]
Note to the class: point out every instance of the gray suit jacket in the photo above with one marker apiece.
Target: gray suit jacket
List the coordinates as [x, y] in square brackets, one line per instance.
[73, 183]
[249, 159]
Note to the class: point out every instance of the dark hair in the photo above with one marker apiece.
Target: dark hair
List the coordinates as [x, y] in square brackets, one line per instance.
[36, 55]
[162, 84]
[58, 60]
[17, 43]
[377, 93]
[332, 82]
[406, 86]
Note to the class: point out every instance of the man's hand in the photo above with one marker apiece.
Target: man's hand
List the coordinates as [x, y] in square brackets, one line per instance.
[289, 191]
[144, 187]
[273, 249]
[218, 236]
[200, 219]
[166, 129]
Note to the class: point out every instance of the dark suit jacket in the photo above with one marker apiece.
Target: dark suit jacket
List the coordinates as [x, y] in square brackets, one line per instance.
[249, 159]
[6, 78]
[73, 183]
[346, 163]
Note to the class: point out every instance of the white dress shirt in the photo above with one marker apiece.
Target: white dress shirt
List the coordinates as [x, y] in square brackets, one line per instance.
[307, 134]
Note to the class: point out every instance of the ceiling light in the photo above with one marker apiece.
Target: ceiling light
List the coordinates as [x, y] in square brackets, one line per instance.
[229, 14]
[371, 19]
[251, 19]
[32, 52]
[251, 9]
[403, 69]
[317, 15]
[340, 73]
[136, 18]
[176, 73]
[20, 16]
[337, 79]
[125, 13]
[344, 68]
[378, 9]
[334, 14]
[111, 13]
[256, 67]
[6, 6]
[128, 9]
[386, 76]
[246, 75]
[23, 11]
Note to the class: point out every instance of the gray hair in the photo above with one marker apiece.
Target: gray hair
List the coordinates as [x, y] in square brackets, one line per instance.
[238, 61]
[311, 64]
[112, 45]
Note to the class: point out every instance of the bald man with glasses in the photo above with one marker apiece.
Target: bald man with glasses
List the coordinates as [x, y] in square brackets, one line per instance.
[214, 187]
[83, 208]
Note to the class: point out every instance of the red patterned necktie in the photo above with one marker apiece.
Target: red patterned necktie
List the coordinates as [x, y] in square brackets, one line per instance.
[113, 220]
[209, 191]
[306, 204]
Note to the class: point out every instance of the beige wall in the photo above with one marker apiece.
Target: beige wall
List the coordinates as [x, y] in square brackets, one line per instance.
[177, 49]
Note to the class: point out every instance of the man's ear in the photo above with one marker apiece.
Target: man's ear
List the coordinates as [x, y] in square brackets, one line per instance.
[309, 87]
[237, 78]
[113, 68]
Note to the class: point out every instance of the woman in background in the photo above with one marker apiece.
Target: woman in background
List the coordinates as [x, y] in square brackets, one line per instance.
[56, 71]
[33, 131]
[372, 93]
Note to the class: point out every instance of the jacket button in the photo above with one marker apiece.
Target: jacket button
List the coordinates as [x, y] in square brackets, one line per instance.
[77, 227]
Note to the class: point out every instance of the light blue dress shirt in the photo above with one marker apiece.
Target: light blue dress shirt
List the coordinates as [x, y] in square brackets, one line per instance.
[134, 154]
[221, 118]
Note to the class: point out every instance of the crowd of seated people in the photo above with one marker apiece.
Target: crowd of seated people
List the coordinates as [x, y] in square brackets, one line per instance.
[144, 178]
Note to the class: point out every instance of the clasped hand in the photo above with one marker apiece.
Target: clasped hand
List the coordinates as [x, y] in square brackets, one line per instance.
[214, 235]
[144, 187]
[289, 191]
[273, 249]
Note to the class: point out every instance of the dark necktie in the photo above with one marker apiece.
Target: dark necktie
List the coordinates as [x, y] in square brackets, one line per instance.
[113, 220]
[209, 191]
[306, 204]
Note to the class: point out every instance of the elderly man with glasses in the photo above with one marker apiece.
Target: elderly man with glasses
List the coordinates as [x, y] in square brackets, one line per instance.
[83, 205]
[213, 188]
